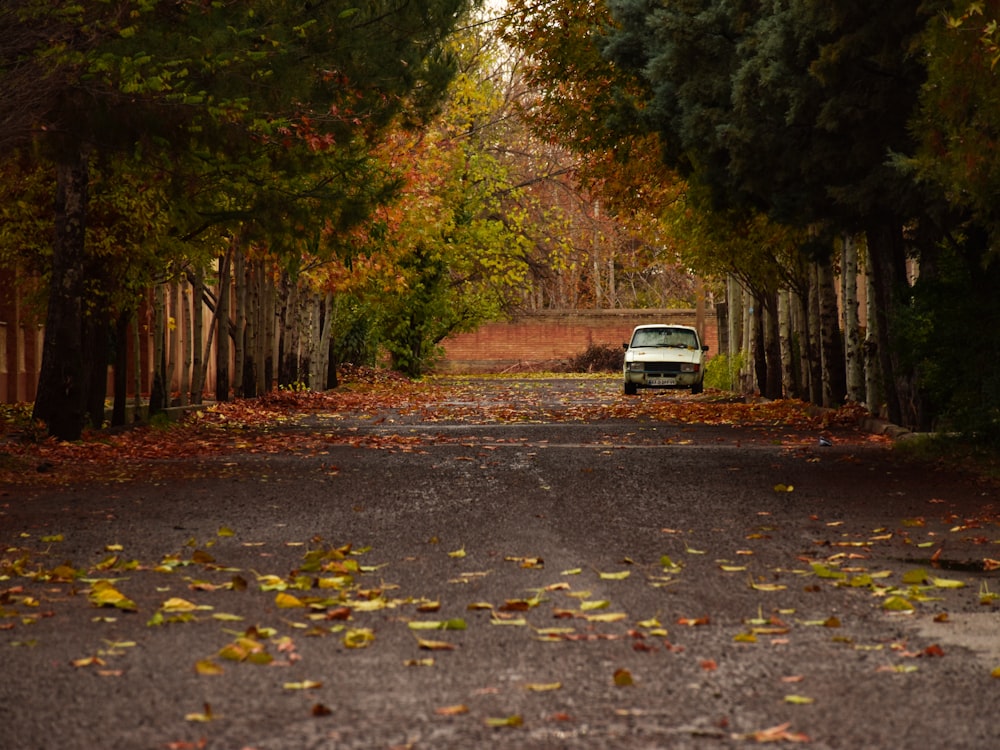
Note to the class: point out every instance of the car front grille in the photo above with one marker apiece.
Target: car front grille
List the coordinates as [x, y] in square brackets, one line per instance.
[662, 368]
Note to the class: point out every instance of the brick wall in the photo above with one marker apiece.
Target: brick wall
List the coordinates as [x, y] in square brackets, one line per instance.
[545, 338]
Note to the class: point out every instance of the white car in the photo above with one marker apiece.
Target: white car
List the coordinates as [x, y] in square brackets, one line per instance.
[664, 356]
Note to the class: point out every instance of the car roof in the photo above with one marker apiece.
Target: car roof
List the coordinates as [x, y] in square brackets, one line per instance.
[664, 325]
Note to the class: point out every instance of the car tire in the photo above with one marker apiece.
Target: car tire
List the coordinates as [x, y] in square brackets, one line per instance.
[697, 388]
[631, 389]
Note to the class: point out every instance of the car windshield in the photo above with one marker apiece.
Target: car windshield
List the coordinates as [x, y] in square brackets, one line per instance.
[678, 337]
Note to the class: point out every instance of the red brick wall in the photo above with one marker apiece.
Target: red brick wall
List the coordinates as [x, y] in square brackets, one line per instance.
[545, 338]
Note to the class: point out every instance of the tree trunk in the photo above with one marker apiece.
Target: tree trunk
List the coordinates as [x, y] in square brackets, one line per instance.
[173, 340]
[270, 321]
[814, 326]
[834, 374]
[240, 351]
[289, 372]
[248, 374]
[760, 346]
[885, 245]
[186, 301]
[59, 401]
[772, 346]
[137, 370]
[852, 331]
[222, 340]
[97, 346]
[118, 410]
[157, 394]
[197, 336]
[788, 373]
[873, 373]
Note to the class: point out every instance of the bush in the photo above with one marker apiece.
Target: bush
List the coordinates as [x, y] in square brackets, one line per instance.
[722, 371]
[597, 358]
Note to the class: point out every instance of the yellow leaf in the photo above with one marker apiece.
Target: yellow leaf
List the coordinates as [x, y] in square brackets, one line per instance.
[176, 604]
[595, 604]
[359, 637]
[458, 554]
[226, 617]
[89, 661]
[536, 687]
[206, 716]
[509, 721]
[435, 645]
[799, 700]
[207, 667]
[947, 583]
[225, 531]
[620, 576]
[607, 617]
[418, 663]
[304, 685]
[287, 601]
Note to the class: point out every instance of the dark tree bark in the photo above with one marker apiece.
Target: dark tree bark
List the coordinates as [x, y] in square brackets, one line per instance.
[62, 378]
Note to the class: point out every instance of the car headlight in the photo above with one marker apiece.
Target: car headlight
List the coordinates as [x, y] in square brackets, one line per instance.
[686, 367]
[635, 367]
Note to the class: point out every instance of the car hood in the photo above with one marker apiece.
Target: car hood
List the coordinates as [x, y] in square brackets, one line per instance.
[663, 354]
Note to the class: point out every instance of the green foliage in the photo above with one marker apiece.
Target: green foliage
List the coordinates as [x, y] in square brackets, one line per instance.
[951, 336]
[723, 370]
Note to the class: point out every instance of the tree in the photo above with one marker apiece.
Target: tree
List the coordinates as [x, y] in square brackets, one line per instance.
[199, 82]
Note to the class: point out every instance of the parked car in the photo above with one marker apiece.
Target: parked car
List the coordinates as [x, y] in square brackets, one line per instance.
[664, 356]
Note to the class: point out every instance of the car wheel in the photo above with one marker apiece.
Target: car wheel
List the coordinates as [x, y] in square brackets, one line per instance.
[631, 389]
[697, 388]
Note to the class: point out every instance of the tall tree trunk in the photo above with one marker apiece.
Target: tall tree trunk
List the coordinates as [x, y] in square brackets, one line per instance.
[270, 322]
[118, 410]
[834, 373]
[137, 369]
[97, 348]
[760, 346]
[788, 373]
[248, 374]
[197, 335]
[187, 354]
[873, 372]
[59, 401]
[852, 331]
[157, 394]
[222, 340]
[289, 372]
[885, 245]
[772, 346]
[815, 333]
[240, 352]
[173, 339]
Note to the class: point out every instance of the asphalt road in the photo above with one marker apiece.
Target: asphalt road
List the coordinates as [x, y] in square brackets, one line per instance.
[616, 583]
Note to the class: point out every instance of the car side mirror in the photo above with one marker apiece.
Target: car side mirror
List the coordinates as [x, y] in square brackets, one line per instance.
[704, 347]
[625, 346]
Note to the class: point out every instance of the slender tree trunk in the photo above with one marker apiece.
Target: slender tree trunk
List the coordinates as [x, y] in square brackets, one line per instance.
[834, 374]
[873, 373]
[240, 351]
[118, 409]
[772, 346]
[815, 332]
[137, 369]
[270, 319]
[186, 301]
[290, 372]
[173, 340]
[252, 334]
[852, 330]
[197, 336]
[788, 374]
[157, 394]
[222, 340]
[885, 245]
[59, 401]
[760, 346]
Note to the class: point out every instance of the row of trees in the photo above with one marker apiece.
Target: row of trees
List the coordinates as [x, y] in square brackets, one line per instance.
[801, 129]
[277, 187]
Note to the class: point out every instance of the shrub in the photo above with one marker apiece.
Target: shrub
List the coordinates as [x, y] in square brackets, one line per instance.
[723, 371]
[597, 358]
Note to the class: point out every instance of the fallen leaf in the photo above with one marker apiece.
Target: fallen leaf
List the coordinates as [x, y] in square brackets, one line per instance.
[435, 645]
[457, 710]
[509, 721]
[208, 667]
[304, 685]
[623, 678]
[544, 687]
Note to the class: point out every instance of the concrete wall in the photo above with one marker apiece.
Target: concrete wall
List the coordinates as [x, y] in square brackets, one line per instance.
[545, 338]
